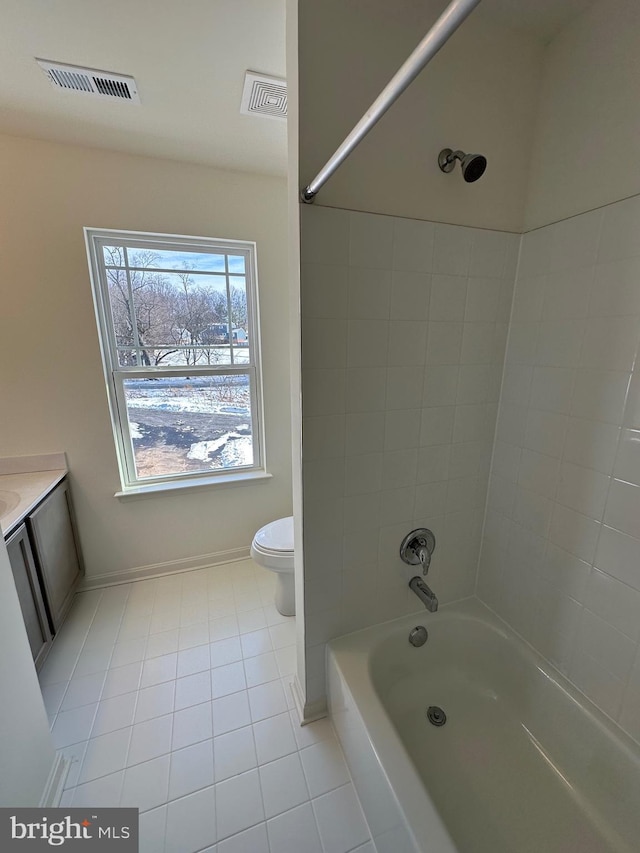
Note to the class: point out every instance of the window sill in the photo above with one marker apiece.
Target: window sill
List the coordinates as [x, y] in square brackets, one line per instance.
[157, 489]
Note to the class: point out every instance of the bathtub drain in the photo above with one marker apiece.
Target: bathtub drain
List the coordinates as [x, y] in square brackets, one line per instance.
[418, 636]
[436, 716]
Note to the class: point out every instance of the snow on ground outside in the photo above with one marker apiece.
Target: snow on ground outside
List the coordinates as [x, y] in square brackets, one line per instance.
[202, 395]
[188, 402]
[234, 450]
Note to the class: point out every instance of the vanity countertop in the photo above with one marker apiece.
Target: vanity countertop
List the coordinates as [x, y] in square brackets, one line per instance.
[21, 492]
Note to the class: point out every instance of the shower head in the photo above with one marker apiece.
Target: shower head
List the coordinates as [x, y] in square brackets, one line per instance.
[472, 165]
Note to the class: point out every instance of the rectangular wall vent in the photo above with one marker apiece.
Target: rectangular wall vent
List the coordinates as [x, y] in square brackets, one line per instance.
[90, 81]
[264, 96]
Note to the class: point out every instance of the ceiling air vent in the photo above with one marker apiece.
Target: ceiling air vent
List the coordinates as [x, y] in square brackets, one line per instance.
[101, 84]
[264, 96]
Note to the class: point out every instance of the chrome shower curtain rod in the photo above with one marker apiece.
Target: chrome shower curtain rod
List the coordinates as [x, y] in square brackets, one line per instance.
[438, 35]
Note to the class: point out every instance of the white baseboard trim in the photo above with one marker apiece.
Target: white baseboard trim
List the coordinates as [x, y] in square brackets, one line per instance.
[307, 713]
[52, 793]
[171, 567]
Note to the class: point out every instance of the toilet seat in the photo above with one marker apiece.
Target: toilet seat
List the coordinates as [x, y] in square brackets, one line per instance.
[272, 545]
[276, 536]
[272, 548]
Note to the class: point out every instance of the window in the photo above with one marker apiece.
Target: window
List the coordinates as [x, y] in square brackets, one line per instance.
[178, 325]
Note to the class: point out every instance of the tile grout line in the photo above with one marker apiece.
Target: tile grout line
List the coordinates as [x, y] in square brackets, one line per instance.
[286, 713]
[124, 605]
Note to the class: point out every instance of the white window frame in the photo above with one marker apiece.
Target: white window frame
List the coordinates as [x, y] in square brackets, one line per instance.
[115, 375]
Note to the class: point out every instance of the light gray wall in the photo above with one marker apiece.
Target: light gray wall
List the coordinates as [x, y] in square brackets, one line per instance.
[295, 353]
[53, 394]
[586, 149]
[479, 94]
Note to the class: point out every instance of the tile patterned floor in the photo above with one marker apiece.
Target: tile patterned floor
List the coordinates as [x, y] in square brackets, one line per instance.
[172, 695]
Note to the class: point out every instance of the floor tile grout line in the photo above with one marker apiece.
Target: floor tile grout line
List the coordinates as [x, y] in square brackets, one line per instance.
[93, 722]
[169, 800]
[97, 605]
[310, 799]
[353, 784]
[255, 749]
[76, 660]
[282, 679]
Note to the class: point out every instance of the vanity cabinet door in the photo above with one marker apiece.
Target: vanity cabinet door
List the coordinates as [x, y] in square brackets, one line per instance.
[51, 526]
[29, 594]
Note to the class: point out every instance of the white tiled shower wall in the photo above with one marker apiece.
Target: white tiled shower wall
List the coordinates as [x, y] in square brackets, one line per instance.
[404, 330]
[561, 552]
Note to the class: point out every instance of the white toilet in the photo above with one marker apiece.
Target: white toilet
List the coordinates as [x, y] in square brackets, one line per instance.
[272, 547]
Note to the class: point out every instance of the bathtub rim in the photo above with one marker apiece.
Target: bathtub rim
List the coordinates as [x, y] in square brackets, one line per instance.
[351, 655]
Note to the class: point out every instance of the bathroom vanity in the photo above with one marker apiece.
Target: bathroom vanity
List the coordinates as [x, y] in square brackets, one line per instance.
[38, 523]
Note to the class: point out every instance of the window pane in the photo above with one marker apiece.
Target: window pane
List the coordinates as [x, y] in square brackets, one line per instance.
[183, 309]
[168, 308]
[240, 319]
[113, 256]
[178, 356]
[127, 357]
[167, 259]
[201, 356]
[151, 258]
[120, 307]
[183, 425]
[212, 355]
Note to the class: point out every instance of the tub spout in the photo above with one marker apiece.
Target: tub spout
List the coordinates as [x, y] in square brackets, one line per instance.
[426, 595]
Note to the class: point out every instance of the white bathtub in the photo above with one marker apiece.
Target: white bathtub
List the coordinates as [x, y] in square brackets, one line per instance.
[524, 764]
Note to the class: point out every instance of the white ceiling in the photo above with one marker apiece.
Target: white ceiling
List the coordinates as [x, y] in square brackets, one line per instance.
[188, 58]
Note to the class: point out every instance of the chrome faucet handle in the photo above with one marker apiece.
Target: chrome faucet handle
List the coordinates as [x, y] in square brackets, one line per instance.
[425, 557]
[417, 547]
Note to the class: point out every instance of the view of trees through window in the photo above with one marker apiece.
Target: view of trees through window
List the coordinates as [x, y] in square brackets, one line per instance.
[181, 356]
[177, 316]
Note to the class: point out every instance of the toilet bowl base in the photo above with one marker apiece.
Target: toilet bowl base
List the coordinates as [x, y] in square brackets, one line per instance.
[285, 599]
